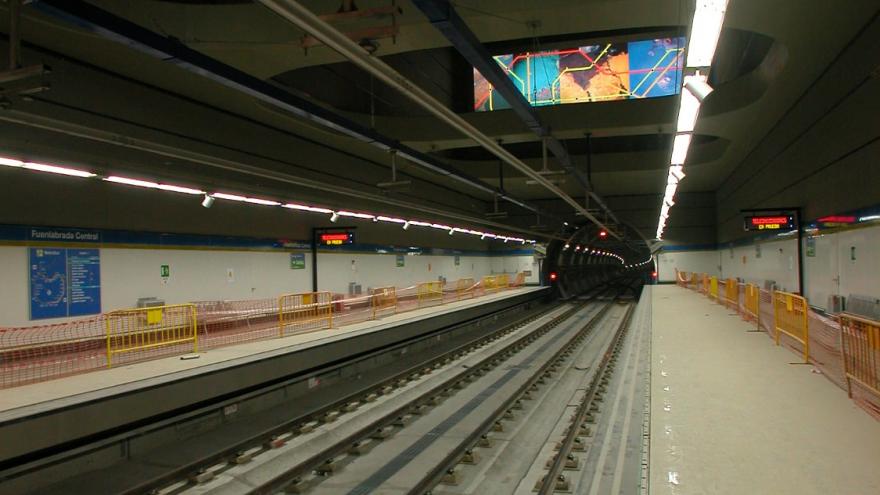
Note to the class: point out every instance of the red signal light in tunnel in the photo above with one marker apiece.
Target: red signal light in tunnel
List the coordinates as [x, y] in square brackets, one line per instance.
[654, 274]
[553, 276]
[603, 234]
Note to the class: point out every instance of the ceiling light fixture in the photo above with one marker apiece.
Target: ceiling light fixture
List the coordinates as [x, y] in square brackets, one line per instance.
[697, 86]
[209, 199]
[705, 30]
[676, 172]
[52, 169]
[365, 216]
[152, 185]
[687, 111]
[245, 199]
[313, 209]
[10, 162]
[680, 148]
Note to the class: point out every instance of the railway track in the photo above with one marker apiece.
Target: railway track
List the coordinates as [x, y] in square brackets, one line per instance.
[193, 474]
[418, 430]
[412, 437]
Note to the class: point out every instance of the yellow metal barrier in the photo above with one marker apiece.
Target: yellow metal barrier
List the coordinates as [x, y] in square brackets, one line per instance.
[429, 293]
[751, 301]
[306, 311]
[489, 283]
[704, 284]
[681, 278]
[790, 317]
[383, 299]
[860, 342]
[502, 281]
[731, 293]
[464, 288]
[132, 330]
[713, 288]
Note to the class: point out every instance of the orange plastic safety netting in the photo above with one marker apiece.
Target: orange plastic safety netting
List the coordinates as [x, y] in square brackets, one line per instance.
[44, 352]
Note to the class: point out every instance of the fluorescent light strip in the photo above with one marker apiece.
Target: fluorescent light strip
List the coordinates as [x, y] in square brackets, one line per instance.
[705, 30]
[680, 148]
[151, 185]
[9, 162]
[383, 218]
[313, 209]
[344, 213]
[40, 167]
[52, 169]
[244, 199]
[688, 110]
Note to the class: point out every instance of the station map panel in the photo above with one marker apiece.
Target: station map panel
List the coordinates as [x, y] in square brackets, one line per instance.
[64, 282]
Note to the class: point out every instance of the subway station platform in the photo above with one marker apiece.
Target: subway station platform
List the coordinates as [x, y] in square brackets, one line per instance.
[732, 414]
[43, 415]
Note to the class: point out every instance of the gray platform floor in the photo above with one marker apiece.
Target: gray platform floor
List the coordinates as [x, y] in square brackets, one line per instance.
[29, 399]
[731, 415]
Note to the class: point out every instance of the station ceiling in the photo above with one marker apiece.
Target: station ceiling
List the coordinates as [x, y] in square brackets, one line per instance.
[103, 91]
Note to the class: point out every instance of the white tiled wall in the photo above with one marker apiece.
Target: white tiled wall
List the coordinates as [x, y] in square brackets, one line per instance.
[830, 270]
[129, 274]
[688, 261]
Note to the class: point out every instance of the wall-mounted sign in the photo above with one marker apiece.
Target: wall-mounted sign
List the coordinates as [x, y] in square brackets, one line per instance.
[63, 235]
[297, 261]
[836, 220]
[401, 260]
[811, 246]
[457, 260]
[336, 238]
[771, 222]
[64, 282]
[165, 271]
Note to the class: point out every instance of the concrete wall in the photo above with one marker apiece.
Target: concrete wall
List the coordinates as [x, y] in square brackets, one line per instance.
[822, 154]
[198, 275]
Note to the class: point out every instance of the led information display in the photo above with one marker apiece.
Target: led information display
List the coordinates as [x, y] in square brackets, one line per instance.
[772, 222]
[336, 238]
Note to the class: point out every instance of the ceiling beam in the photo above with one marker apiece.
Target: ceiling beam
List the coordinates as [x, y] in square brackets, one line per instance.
[444, 17]
[123, 31]
[305, 19]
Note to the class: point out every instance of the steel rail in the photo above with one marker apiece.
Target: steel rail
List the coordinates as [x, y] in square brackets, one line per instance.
[265, 437]
[450, 460]
[281, 480]
[548, 486]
